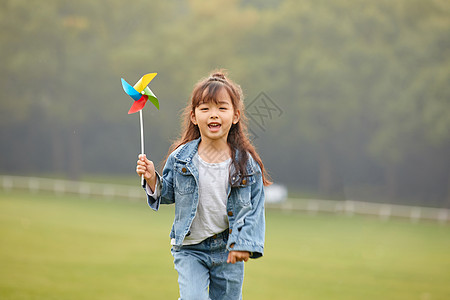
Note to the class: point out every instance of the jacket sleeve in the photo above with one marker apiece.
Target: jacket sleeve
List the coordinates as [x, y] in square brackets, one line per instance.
[164, 187]
[252, 234]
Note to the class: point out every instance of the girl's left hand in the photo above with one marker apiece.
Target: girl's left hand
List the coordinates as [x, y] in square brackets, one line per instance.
[235, 256]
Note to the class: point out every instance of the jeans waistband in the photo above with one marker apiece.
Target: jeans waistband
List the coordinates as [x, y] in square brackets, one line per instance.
[223, 234]
[214, 242]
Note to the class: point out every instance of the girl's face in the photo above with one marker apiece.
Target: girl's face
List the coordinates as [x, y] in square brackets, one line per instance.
[214, 120]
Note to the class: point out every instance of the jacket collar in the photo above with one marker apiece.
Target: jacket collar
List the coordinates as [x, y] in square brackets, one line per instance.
[186, 152]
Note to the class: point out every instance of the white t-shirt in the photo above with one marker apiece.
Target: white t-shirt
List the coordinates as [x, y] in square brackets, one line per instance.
[211, 217]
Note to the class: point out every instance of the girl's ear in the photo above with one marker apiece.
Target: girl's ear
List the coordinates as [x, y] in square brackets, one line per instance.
[193, 119]
[236, 117]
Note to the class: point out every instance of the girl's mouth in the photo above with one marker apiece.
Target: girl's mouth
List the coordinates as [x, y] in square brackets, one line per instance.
[214, 127]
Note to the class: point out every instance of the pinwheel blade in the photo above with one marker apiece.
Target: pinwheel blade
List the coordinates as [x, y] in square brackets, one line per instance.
[151, 97]
[138, 105]
[144, 81]
[130, 90]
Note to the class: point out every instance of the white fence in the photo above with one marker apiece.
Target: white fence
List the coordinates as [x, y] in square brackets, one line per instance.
[36, 184]
[311, 206]
[383, 211]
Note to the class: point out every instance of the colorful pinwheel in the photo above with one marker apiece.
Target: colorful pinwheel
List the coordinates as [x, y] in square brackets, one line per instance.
[140, 93]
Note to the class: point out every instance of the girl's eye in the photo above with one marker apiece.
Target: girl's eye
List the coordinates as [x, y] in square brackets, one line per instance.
[223, 108]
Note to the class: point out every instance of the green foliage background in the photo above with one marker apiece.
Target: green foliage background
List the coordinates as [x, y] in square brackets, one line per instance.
[363, 86]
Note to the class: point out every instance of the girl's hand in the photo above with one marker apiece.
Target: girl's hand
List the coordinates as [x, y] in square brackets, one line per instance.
[146, 168]
[234, 256]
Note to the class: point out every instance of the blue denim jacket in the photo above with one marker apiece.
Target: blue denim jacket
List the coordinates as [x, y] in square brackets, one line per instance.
[245, 205]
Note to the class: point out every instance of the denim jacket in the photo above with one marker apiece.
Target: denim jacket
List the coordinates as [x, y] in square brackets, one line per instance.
[245, 205]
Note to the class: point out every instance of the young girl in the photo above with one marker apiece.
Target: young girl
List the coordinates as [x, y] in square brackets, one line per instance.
[215, 177]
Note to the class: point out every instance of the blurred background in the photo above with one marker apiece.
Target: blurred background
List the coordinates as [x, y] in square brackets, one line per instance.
[347, 99]
[348, 103]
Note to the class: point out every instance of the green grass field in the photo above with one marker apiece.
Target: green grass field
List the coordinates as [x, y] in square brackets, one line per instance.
[67, 247]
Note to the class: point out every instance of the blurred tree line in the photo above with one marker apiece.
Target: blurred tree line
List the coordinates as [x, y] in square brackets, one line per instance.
[363, 87]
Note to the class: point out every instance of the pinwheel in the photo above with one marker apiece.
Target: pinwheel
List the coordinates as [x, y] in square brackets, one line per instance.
[141, 93]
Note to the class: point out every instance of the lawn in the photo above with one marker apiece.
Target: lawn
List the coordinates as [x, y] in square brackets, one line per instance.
[67, 247]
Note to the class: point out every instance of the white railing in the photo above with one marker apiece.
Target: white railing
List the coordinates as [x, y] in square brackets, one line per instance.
[311, 206]
[35, 184]
[384, 211]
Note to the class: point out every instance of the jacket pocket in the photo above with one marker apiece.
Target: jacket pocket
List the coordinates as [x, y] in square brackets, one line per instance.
[184, 180]
[243, 190]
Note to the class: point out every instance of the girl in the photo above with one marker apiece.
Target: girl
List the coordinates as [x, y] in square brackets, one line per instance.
[215, 177]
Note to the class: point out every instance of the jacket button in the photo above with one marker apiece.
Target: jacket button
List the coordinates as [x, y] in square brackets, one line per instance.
[231, 230]
[244, 181]
[230, 213]
[184, 170]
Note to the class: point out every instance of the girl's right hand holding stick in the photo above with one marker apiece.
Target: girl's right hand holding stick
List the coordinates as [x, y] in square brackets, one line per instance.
[146, 168]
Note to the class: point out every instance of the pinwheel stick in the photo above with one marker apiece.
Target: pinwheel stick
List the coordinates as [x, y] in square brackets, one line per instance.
[141, 119]
[140, 93]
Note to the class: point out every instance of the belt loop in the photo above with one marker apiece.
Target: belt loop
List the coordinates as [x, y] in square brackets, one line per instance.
[226, 234]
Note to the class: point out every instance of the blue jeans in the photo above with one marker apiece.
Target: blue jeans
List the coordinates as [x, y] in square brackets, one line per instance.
[205, 265]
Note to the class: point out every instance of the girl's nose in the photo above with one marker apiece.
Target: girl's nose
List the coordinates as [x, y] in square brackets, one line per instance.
[213, 114]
